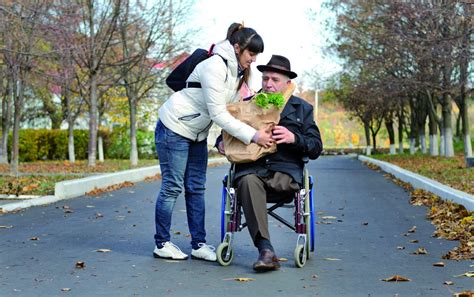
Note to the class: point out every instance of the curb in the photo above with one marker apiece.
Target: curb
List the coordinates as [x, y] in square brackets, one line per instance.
[421, 182]
[79, 187]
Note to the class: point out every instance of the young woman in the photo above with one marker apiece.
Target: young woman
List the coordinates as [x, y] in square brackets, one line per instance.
[181, 133]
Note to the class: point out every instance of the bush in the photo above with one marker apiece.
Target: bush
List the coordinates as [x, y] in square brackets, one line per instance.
[42, 144]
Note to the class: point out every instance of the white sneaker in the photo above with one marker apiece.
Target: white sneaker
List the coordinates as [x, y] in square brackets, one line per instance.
[204, 252]
[169, 251]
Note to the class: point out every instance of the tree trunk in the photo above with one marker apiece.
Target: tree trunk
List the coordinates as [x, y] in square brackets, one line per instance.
[6, 113]
[433, 130]
[423, 142]
[400, 131]
[70, 143]
[447, 123]
[93, 110]
[100, 144]
[18, 95]
[133, 133]
[391, 135]
[412, 146]
[367, 138]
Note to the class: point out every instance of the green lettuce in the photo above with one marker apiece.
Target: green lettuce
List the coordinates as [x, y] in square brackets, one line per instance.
[264, 100]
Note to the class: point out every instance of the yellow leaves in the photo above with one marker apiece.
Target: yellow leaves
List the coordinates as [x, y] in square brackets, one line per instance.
[467, 220]
[466, 274]
[396, 278]
[420, 251]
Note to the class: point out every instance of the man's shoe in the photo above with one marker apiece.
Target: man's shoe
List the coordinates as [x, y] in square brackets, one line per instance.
[204, 252]
[169, 251]
[266, 261]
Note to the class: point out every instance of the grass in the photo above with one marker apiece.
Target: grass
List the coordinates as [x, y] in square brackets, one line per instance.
[39, 178]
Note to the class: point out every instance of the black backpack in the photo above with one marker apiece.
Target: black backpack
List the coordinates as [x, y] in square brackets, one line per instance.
[176, 80]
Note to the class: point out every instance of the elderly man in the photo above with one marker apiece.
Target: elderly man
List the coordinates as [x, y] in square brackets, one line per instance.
[276, 176]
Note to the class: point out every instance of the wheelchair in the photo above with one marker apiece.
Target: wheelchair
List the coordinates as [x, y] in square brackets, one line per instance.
[231, 219]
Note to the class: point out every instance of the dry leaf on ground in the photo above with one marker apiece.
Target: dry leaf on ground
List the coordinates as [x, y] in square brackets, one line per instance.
[420, 251]
[80, 265]
[467, 274]
[332, 259]
[240, 279]
[464, 294]
[103, 250]
[396, 278]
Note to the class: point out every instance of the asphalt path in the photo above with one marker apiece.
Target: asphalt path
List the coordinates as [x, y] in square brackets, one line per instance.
[362, 236]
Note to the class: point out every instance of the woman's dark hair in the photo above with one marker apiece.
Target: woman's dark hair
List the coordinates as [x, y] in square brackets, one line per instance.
[246, 38]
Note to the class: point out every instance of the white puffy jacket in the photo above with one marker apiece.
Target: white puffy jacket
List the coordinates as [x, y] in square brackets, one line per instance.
[191, 111]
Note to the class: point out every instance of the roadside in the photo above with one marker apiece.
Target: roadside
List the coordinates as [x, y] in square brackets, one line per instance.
[450, 210]
[91, 185]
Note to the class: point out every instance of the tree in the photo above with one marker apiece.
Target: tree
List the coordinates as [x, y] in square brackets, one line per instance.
[21, 20]
[147, 36]
[96, 37]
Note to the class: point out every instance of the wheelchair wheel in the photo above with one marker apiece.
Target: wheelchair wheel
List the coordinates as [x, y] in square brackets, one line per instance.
[308, 219]
[300, 257]
[222, 256]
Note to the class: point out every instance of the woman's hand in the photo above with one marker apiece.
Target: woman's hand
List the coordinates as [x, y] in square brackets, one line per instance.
[283, 135]
[264, 137]
[220, 148]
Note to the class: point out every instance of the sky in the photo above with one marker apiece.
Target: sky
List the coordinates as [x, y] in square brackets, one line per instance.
[285, 26]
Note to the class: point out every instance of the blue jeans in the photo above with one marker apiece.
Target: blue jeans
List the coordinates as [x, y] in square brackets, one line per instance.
[183, 162]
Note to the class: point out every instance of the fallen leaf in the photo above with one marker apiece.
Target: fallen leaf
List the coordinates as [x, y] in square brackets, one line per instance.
[6, 226]
[438, 264]
[328, 217]
[448, 283]
[103, 250]
[396, 278]
[177, 232]
[66, 289]
[467, 274]
[30, 187]
[90, 206]
[314, 276]
[412, 229]
[420, 251]
[283, 259]
[400, 247]
[414, 241]
[99, 215]
[332, 259]
[240, 279]
[464, 294]
[80, 265]
[34, 238]
[365, 223]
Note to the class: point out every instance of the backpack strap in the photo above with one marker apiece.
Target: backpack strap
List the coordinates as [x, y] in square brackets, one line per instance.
[195, 84]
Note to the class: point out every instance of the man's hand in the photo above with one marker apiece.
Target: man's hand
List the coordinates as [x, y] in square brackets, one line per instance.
[264, 137]
[283, 135]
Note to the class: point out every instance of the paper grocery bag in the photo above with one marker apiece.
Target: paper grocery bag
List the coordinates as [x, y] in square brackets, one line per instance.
[248, 112]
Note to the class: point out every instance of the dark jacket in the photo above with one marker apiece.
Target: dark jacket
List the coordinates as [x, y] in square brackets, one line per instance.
[297, 116]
